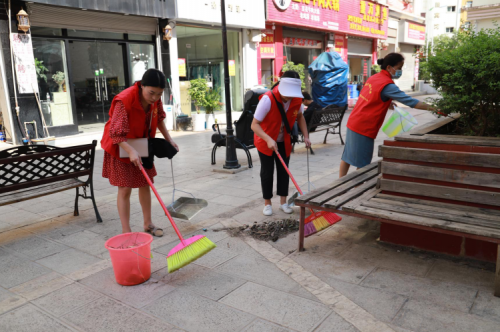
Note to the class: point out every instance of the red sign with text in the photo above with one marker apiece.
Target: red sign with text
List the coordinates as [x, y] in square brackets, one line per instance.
[416, 31]
[266, 45]
[301, 42]
[355, 17]
[341, 46]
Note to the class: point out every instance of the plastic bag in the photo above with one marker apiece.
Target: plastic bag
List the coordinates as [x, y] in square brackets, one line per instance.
[329, 75]
[399, 121]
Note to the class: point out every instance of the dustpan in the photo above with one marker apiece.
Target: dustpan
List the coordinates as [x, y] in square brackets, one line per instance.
[184, 207]
[291, 200]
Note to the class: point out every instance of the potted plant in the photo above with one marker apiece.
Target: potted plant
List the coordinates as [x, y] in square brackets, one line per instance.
[197, 92]
[59, 78]
[212, 103]
[40, 70]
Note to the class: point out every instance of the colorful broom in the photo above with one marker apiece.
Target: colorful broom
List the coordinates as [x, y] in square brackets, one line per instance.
[317, 221]
[188, 250]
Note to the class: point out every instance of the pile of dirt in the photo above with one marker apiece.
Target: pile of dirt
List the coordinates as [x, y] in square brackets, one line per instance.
[267, 231]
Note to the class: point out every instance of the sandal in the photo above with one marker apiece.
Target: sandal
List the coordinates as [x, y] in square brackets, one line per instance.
[155, 231]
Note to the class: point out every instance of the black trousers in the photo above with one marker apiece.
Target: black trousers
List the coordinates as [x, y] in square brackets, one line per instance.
[267, 173]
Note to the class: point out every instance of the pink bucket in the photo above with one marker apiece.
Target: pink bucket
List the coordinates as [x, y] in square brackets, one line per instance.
[131, 257]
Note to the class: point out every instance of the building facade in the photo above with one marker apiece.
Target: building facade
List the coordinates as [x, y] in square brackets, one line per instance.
[482, 14]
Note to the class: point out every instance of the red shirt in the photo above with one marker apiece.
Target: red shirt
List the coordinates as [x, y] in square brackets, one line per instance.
[272, 123]
[369, 113]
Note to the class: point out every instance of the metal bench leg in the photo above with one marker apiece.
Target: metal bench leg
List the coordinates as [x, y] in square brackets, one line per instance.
[98, 216]
[77, 213]
[327, 132]
[340, 134]
[214, 150]
[301, 228]
[497, 274]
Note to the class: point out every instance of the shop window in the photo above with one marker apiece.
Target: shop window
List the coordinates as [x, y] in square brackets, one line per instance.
[450, 29]
[95, 34]
[142, 58]
[451, 9]
[53, 85]
[132, 36]
[39, 31]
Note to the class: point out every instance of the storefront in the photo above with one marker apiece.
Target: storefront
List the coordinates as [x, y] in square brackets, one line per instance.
[299, 31]
[83, 59]
[195, 49]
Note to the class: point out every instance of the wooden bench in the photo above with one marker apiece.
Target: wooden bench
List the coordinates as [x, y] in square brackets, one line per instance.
[28, 172]
[329, 119]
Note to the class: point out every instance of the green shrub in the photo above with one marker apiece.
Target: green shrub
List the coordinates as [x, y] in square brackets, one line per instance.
[376, 69]
[299, 68]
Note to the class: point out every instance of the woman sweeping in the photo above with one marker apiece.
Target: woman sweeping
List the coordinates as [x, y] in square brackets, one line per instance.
[272, 136]
[369, 113]
[135, 113]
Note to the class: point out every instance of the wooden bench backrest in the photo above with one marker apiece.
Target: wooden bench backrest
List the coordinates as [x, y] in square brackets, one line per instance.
[328, 115]
[30, 166]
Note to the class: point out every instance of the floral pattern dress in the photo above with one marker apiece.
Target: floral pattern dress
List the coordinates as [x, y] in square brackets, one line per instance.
[122, 174]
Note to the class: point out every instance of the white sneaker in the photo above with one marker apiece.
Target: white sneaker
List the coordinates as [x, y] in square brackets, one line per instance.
[285, 208]
[268, 210]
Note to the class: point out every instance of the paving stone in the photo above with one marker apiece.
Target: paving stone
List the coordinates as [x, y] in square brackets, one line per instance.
[200, 280]
[60, 232]
[195, 313]
[462, 274]
[143, 323]
[487, 305]
[238, 246]
[250, 216]
[260, 325]
[279, 307]
[12, 302]
[263, 272]
[443, 293]
[68, 261]
[135, 296]
[15, 270]
[35, 248]
[86, 241]
[387, 258]
[20, 217]
[429, 317]
[41, 286]
[66, 299]
[30, 319]
[229, 200]
[335, 323]
[382, 304]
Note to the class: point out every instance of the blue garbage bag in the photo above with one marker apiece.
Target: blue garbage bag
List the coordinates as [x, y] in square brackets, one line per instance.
[329, 75]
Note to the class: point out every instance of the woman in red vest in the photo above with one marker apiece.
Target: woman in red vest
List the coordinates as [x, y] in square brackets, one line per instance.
[271, 136]
[134, 113]
[369, 113]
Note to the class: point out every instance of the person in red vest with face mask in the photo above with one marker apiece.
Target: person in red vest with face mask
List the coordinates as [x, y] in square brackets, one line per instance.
[134, 113]
[369, 113]
[271, 136]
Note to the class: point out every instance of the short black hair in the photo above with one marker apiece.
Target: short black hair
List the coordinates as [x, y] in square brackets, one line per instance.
[289, 74]
[390, 59]
[154, 78]
[306, 95]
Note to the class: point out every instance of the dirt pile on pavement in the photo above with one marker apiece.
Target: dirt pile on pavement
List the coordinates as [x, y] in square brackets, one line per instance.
[266, 231]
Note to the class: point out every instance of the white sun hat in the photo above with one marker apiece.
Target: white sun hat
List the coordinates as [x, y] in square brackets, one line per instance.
[290, 87]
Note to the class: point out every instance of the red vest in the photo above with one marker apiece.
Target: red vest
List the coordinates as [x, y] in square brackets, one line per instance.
[369, 113]
[272, 123]
[138, 128]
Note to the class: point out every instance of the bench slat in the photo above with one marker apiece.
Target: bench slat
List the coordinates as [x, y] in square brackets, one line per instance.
[34, 192]
[451, 139]
[340, 190]
[440, 156]
[429, 190]
[442, 174]
[336, 183]
[351, 194]
[352, 205]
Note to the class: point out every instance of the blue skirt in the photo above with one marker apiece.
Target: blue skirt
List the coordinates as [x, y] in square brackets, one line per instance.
[358, 150]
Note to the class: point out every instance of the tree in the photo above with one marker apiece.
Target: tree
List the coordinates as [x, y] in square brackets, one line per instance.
[299, 68]
[466, 71]
[437, 43]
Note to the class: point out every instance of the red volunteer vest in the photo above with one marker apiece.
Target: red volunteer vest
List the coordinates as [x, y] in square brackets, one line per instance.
[272, 123]
[369, 113]
[136, 119]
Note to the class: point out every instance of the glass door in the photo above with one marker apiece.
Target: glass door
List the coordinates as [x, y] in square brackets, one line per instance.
[98, 72]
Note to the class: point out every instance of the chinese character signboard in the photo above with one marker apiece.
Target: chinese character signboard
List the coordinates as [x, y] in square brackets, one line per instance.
[232, 68]
[182, 67]
[402, 5]
[267, 44]
[24, 63]
[302, 42]
[416, 31]
[417, 67]
[356, 17]
[341, 46]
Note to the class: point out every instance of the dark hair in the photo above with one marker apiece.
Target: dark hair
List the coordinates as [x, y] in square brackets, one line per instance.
[154, 78]
[306, 95]
[390, 59]
[289, 74]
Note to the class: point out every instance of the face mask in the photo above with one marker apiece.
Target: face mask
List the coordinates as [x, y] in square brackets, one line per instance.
[397, 74]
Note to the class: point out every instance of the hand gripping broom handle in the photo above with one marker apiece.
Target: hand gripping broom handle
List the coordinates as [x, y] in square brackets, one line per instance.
[162, 205]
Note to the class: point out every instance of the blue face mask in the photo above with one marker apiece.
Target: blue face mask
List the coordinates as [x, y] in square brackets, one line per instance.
[397, 75]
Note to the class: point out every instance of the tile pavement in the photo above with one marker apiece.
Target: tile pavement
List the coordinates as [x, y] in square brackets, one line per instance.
[55, 274]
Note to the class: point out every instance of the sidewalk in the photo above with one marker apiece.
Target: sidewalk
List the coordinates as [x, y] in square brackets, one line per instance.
[55, 273]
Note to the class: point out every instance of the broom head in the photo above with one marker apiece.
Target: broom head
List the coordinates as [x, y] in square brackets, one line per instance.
[319, 221]
[189, 251]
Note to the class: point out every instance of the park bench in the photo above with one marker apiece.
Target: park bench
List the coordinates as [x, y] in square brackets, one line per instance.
[32, 171]
[329, 119]
[446, 200]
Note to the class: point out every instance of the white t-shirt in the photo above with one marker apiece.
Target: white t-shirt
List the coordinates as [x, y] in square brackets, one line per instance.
[264, 106]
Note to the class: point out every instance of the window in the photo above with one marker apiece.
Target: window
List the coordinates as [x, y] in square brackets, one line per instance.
[450, 29]
[37, 31]
[436, 26]
[467, 25]
[451, 9]
[437, 5]
[436, 15]
[94, 34]
[468, 4]
[142, 58]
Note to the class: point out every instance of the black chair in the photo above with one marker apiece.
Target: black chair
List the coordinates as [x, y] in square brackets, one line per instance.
[244, 134]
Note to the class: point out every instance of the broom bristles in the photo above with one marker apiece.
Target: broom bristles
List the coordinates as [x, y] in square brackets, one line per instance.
[188, 254]
[319, 221]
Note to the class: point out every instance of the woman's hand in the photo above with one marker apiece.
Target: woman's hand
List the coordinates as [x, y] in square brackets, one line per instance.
[308, 143]
[272, 145]
[174, 145]
[392, 106]
[134, 158]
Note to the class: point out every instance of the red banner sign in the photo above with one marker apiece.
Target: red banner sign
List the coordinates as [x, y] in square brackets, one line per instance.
[341, 46]
[301, 42]
[355, 17]
[266, 45]
[416, 31]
